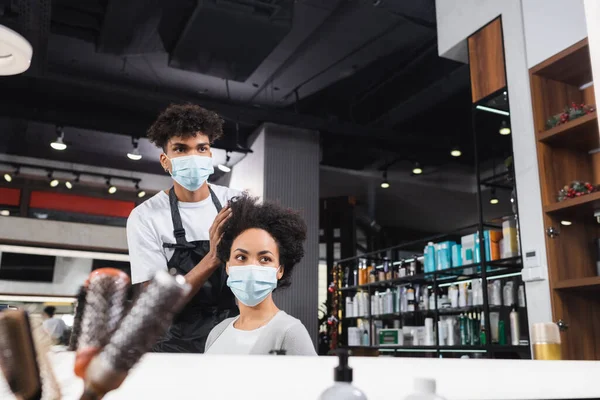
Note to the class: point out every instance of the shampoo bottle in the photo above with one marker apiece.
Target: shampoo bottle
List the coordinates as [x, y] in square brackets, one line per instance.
[424, 389]
[342, 389]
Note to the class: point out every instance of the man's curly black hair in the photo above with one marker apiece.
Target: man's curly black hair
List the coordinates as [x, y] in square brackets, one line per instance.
[286, 226]
[185, 120]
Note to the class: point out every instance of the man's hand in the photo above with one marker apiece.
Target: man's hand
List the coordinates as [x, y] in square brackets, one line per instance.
[201, 272]
[216, 233]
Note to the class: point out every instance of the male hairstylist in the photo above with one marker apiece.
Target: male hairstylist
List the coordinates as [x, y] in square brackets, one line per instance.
[179, 229]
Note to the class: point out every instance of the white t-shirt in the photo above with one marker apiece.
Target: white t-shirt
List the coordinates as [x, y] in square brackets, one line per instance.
[55, 327]
[235, 341]
[150, 225]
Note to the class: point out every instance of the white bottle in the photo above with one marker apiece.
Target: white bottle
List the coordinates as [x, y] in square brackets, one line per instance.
[342, 389]
[389, 301]
[424, 389]
[515, 332]
[349, 307]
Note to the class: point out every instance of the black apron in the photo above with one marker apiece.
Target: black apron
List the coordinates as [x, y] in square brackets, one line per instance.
[213, 303]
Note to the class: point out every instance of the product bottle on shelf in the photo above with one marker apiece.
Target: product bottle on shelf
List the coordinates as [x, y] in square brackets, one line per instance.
[482, 335]
[342, 388]
[410, 297]
[424, 389]
[515, 332]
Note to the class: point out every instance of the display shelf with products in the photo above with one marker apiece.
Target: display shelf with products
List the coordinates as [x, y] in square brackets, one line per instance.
[389, 313]
[568, 153]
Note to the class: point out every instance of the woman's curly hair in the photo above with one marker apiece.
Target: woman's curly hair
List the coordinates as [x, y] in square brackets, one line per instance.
[185, 120]
[286, 226]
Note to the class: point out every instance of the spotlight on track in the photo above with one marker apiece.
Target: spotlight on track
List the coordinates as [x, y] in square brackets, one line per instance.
[385, 183]
[112, 189]
[59, 143]
[224, 167]
[135, 153]
[140, 193]
[417, 169]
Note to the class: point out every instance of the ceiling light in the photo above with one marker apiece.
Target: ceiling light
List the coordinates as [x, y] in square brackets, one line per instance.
[54, 183]
[417, 170]
[112, 189]
[493, 110]
[140, 193]
[385, 184]
[504, 129]
[8, 177]
[59, 143]
[5, 213]
[456, 152]
[566, 223]
[224, 167]
[135, 153]
[15, 57]
[493, 198]
[69, 185]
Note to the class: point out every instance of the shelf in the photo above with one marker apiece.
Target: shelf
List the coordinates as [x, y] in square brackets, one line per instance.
[583, 205]
[589, 283]
[447, 349]
[455, 274]
[581, 133]
[571, 66]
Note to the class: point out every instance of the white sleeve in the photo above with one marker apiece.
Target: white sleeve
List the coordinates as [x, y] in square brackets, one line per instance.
[145, 250]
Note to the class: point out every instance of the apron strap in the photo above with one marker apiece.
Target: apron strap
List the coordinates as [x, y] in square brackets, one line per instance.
[215, 200]
[178, 230]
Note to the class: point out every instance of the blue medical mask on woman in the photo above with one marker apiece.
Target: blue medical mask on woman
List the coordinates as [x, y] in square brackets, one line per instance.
[251, 284]
[191, 171]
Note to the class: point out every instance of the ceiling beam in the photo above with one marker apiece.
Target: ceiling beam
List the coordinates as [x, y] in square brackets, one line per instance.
[126, 110]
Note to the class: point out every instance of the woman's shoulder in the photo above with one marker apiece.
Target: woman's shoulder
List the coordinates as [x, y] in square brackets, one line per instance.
[284, 322]
[215, 332]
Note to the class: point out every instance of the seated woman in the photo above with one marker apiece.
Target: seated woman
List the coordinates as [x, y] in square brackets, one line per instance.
[261, 244]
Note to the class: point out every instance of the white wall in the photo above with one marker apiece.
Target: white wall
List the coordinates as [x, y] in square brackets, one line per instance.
[62, 234]
[551, 26]
[458, 19]
[249, 173]
[69, 275]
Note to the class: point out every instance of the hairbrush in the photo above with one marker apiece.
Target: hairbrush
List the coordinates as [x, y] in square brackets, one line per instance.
[18, 356]
[148, 319]
[43, 343]
[79, 308]
[105, 306]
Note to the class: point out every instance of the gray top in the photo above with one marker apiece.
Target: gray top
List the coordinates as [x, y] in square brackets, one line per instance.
[283, 332]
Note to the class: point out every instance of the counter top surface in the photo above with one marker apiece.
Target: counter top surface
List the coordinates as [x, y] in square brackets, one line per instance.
[187, 376]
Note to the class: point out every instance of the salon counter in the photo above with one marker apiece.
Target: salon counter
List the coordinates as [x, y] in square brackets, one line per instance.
[187, 376]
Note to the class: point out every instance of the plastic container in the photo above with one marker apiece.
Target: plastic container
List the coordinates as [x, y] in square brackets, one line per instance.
[342, 389]
[424, 389]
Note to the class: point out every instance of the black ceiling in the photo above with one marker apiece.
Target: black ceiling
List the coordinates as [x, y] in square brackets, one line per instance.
[365, 73]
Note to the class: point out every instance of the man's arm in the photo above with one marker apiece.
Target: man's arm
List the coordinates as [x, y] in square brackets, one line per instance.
[145, 249]
[204, 269]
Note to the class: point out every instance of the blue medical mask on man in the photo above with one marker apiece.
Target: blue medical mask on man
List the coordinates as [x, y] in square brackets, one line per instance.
[252, 284]
[191, 171]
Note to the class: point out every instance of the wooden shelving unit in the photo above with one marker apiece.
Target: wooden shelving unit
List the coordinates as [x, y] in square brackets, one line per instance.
[567, 153]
